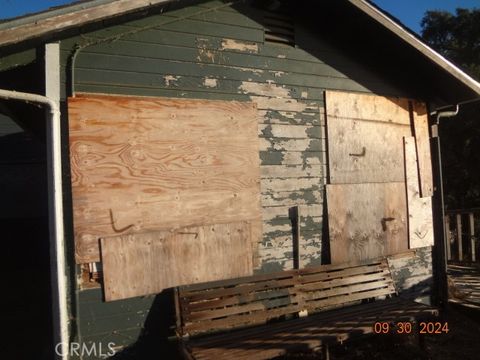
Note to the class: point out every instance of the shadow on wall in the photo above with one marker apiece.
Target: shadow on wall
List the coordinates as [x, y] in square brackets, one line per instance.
[159, 325]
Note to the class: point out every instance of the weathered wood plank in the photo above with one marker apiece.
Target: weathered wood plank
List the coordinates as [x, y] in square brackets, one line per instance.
[141, 164]
[471, 223]
[365, 137]
[422, 138]
[79, 16]
[272, 212]
[459, 237]
[290, 131]
[363, 151]
[366, 220]
[347, 290]
[293, 198]
[141, 264]
[420, 222]
[342, 281]
[391, 110]
[291, 171]
[448, 238]
[291, 184]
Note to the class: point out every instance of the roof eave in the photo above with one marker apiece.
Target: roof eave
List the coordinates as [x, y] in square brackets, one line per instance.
[32, 27]
[411, 39]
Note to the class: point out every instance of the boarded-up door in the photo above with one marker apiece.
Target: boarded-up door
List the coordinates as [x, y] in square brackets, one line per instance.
[367, 208]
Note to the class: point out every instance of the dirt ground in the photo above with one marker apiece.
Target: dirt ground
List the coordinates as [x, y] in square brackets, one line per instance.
[462, 342]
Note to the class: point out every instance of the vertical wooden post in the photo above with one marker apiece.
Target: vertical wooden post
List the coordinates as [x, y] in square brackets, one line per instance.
[299, 260]
[447, 238]
[294, 214]
[459, 237]
[472, 235]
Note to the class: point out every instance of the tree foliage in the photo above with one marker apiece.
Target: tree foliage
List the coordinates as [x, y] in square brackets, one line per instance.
[457, 37]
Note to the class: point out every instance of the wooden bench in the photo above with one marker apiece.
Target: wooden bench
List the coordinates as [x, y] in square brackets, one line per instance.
[260, 317]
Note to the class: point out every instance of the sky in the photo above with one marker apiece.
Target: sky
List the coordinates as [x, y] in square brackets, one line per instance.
[410, 12]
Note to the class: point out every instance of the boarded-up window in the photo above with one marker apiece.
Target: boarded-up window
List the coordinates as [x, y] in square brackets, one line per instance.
[368, 211]
[154, 164]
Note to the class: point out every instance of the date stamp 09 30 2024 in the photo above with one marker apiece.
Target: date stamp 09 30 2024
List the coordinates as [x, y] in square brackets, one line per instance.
[407, 327]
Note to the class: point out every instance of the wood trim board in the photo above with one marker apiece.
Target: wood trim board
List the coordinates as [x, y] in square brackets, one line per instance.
[420, 222]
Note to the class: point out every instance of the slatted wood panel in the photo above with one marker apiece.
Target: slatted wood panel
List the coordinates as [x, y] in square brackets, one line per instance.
[365, 135]
[366, 221]
[142, 164]
[257, 299]
[237, 303]
[420, 222]
[141, 264]
[422, 138]
[332, 285]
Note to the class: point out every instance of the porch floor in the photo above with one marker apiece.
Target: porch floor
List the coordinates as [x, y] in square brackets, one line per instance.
[464, 284]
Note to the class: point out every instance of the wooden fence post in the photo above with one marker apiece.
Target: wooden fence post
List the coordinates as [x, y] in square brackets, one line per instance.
[472, 235]
[447, 238]
[459, 237]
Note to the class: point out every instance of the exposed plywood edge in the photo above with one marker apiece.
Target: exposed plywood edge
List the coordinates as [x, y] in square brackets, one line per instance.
[420, 222]
[50, 24]
[422, 139]
[411, 39]
[142, 264]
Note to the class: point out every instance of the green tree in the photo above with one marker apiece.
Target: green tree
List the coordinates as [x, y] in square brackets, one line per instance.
[457, 37]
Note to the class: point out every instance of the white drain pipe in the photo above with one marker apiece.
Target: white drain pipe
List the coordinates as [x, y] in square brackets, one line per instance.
[55, 214]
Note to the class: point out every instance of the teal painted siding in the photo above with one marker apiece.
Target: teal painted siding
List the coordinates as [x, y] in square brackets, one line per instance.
[189, 53]
[209, 53]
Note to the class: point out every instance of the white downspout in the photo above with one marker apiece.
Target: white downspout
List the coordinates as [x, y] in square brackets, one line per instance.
[56, 213]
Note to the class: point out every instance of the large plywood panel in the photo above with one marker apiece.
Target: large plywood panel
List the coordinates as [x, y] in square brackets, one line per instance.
[422, 138]
[365, 137]
[366, 220]
[146, 164]
[141, 264]
[420, 223]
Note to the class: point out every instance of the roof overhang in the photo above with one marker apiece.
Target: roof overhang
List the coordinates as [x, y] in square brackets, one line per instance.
[410, 38]
[67, 17]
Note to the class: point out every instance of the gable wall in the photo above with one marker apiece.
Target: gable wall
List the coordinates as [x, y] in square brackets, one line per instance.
[209, 52]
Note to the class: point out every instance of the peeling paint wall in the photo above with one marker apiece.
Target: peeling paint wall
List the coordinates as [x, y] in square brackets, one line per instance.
[412, 273]
[221, 54]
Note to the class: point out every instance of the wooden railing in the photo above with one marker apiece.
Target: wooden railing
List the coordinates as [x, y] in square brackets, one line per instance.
[461, 243]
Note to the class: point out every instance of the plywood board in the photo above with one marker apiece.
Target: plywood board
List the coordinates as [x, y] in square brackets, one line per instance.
[365, 137]
[422, 138]
[394, 110]
[141, 264]
[366, 221]
[420, 222]
[146, 164]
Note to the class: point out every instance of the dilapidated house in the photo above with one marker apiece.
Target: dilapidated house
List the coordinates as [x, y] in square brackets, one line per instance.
[192, 141]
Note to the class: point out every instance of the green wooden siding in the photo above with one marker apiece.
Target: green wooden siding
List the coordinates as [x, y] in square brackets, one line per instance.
[187, 53]
[182, 54]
